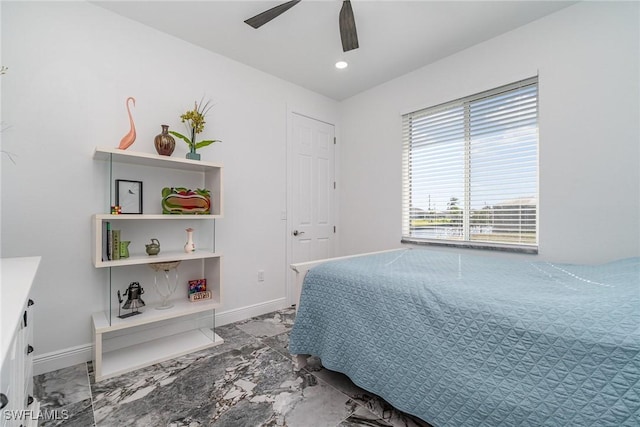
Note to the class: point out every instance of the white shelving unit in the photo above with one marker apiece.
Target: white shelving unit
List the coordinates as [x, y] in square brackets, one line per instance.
[111, 356]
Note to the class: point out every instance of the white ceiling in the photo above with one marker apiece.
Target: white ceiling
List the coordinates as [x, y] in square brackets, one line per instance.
[303, 44]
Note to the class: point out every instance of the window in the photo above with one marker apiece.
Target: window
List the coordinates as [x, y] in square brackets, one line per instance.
[470, 170]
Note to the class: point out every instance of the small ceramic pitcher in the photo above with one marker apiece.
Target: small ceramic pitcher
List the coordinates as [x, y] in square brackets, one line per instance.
[153, 248]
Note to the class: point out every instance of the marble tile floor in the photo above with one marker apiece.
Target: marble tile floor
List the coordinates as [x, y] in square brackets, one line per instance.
[247, 381]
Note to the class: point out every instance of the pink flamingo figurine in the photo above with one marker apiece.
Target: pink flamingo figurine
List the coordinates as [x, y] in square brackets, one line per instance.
[128, 139]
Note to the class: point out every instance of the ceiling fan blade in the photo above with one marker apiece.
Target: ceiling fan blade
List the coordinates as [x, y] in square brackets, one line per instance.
[348, 32]
[266, 16]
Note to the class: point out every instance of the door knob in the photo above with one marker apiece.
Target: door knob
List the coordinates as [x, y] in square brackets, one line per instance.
[296, 232]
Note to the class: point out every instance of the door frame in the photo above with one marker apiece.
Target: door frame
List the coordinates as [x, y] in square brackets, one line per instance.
[290, 278]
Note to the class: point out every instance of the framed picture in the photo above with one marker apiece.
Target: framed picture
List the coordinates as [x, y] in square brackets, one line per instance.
[129, 196]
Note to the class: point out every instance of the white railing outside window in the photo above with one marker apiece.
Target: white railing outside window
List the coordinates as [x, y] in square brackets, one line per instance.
[470, 170]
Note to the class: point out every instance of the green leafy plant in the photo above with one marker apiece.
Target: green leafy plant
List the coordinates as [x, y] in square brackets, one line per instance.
[194, 121]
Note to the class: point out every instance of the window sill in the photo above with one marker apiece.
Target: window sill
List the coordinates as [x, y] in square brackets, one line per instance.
[523, 249]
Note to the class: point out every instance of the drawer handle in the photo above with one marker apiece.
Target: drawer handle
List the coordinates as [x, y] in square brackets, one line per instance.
[3, 400]
[29, 349]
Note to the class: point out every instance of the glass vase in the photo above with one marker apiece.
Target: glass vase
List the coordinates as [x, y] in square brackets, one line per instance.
[165, 288]
[192, 155]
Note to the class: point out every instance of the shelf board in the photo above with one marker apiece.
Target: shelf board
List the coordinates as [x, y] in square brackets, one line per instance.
[148, 159]
[164, 256]
[150, 314]
[144, 354]
[110, 217]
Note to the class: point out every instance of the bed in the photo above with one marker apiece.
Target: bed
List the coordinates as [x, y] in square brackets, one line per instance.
[469, 340]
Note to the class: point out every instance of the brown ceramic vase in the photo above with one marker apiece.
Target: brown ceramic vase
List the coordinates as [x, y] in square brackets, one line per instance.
[165, 144]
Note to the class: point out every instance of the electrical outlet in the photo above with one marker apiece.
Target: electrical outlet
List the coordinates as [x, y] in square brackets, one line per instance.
[260, 275]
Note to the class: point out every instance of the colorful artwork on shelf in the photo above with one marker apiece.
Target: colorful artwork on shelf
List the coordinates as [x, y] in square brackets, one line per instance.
[199, 285]
[198, 290]
[179, 200]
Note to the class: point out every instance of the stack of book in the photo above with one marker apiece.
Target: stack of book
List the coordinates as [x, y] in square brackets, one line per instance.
[110, 242]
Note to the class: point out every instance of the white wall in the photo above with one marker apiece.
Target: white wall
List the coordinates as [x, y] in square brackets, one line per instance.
[587, 58]
[72, 65]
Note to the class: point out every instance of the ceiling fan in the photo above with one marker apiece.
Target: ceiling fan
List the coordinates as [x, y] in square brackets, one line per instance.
[347, 22]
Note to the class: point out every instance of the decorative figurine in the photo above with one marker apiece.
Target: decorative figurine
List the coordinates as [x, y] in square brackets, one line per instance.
[130, 137]
[134, 300]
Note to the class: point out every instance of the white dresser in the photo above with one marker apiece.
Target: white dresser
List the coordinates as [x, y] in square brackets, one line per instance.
[19, 408]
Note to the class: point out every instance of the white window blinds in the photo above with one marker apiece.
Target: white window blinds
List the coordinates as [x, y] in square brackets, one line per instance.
[470, 170]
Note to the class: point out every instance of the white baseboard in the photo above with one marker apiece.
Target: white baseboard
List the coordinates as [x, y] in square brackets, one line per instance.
[43, 363]
[83, 353]
[244, 313]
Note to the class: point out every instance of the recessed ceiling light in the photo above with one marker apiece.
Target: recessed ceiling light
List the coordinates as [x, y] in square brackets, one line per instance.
[341, 64]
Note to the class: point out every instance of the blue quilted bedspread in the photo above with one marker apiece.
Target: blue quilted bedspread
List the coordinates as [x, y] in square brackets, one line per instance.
[464, 340]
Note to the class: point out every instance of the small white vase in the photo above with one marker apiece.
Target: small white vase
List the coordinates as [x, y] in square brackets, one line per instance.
[189, 246]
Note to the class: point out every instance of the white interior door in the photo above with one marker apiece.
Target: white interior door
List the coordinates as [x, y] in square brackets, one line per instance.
[311, 225]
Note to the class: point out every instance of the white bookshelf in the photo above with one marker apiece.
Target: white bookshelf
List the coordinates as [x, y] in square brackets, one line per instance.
[164, 343]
